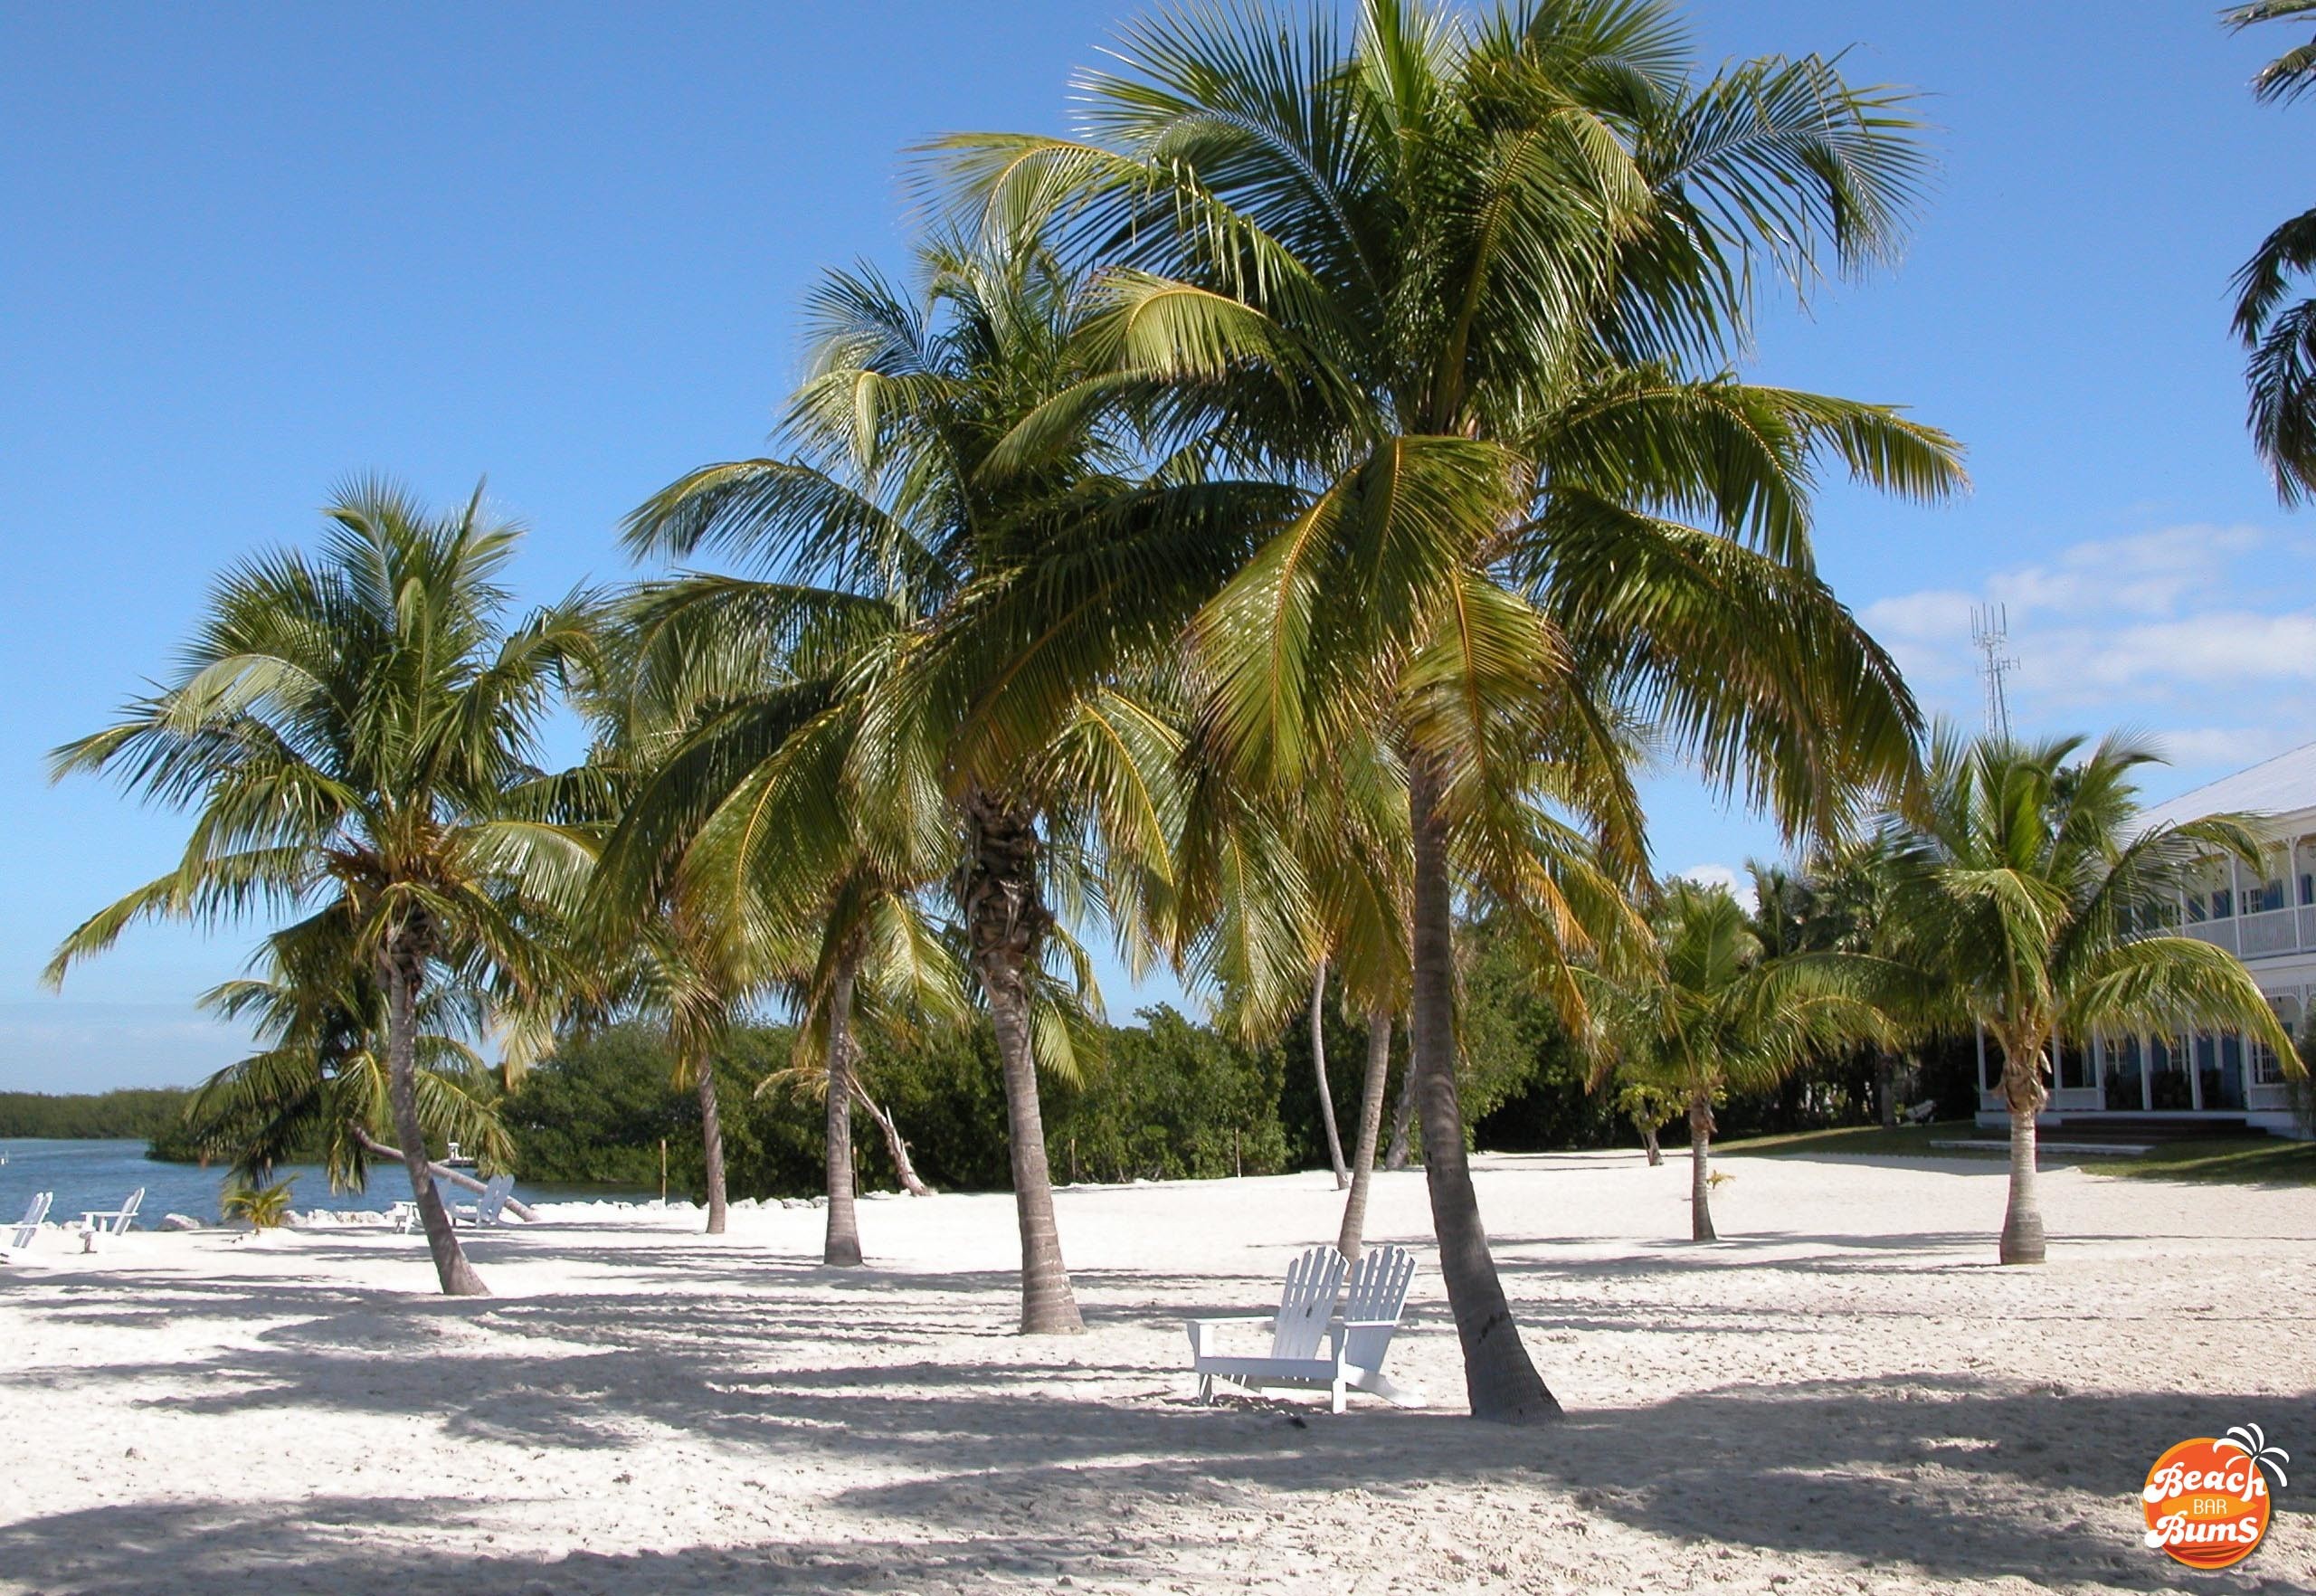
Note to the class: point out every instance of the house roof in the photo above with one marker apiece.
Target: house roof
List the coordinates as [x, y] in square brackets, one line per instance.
[2274, 786]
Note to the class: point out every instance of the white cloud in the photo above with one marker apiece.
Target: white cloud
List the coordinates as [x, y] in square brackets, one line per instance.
[1738, 886]
[2199, 634]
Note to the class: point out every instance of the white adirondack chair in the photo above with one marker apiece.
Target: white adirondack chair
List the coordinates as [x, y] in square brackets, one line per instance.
[489, 1208]
[28, 1227]
[486, 1209]
[1357, 1342]
[97, 1222]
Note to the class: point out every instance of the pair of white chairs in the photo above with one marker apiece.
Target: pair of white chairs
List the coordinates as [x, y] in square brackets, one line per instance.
[1373, 1294]
[95, 1224]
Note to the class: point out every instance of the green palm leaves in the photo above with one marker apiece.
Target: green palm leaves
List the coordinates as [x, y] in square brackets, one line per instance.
[354, 736]
[2279, 331]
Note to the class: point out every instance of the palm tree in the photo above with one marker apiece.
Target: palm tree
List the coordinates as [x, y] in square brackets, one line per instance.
[1722, 1013]
[356, 736]
[318, 1081]
[2016, 911]
[961, 491]
[1470, 286]
[2281, 336]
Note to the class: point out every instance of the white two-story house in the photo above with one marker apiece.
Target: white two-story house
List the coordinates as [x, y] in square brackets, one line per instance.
[2266, 918]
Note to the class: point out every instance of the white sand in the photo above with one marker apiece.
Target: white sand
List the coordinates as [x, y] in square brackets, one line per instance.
[1845, 1395]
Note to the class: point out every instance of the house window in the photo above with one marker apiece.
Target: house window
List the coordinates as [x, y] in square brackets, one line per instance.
[2307, 888]
[2271, 898]
[2074, 1067]
[2267, 1069]
[2223, 904]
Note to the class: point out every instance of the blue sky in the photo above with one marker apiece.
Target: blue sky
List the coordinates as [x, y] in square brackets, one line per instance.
[246, 253]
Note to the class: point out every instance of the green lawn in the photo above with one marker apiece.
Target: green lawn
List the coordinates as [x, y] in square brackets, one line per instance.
[2246, 1159]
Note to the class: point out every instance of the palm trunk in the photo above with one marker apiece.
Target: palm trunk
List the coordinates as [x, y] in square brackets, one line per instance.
[1402, 1118]
[456, 1275]
[1701, 1172]
[843, 1246]
[1886, 1089]
[2022, 1219]
[1005, 919]
[896, 1147]
[711, 1145]
[1499, 1379]
[440, 1172]
[1649, 1140]
[1371, 1129]
[1319, 1064]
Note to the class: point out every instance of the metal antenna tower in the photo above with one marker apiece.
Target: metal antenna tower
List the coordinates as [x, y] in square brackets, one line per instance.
[1991, 631]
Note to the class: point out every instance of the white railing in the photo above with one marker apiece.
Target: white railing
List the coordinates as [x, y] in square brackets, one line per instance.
[2272, 931]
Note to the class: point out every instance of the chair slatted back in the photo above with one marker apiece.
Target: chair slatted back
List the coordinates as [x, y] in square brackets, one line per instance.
[1377, 1294]
[1308, 1303]
[495, 1192]
[128, 1211]
[35, 1212]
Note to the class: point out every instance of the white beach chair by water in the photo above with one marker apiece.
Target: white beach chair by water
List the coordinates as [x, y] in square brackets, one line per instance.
[492, 1206]
[98, 1222]
[28, 1227]
[484, 1209]
[1357, 1342]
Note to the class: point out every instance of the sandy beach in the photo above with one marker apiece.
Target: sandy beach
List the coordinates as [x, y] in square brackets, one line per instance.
[1845, 1395]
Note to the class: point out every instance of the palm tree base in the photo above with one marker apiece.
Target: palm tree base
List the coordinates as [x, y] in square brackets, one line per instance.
[2022, 1240]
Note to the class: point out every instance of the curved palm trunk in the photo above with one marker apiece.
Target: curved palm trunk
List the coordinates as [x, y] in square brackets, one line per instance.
[1319, 1065]
[1402, 1118]
[1499, 1379]
[456, 1275]
[1649, 1140]
[1005, 918]
[842, 1245]
[2022, 1219]
[1886, 1089]
[711, 1145]
[1701, 1172]
[896, 1145]
[1371, 1126]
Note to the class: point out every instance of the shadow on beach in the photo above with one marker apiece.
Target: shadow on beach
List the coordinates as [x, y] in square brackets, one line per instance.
[968, 1459]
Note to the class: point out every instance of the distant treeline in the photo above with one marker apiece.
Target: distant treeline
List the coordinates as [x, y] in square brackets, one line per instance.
[1170, 1099]
[131, 1113]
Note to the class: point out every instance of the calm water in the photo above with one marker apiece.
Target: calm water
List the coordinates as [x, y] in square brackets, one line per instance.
[101, 1174]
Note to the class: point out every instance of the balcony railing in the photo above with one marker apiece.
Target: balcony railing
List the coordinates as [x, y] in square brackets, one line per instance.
[2259, 936]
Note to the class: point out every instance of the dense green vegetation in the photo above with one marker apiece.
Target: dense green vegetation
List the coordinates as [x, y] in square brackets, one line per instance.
[130, 1114]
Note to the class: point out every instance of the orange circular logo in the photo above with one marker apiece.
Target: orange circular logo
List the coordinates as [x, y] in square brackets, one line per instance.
[2206, 1500]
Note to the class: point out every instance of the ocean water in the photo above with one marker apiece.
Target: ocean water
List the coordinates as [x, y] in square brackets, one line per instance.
[87, 1176]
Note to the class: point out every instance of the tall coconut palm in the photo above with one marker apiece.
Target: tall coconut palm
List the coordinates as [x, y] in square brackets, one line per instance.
[2018, 907]
[1722, 1012]
[960, 475]
[1471, 285]
[355, 735]
[2279, 329]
